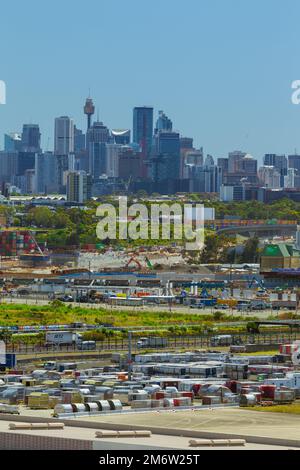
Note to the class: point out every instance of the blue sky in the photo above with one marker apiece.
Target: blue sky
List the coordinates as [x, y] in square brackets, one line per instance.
[220, 69]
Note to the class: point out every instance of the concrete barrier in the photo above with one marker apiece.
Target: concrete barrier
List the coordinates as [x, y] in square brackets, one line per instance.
[110, 434]
[18, 426]
[217, 442]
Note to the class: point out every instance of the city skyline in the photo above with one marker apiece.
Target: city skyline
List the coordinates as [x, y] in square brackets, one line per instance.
[226, 93]
[48, 143]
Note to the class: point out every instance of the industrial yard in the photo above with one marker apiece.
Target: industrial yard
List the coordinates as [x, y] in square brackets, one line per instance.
[196, 394]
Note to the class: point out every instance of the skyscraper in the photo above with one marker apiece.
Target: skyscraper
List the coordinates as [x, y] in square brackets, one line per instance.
[12, 142]
[96, 139]
[234, 161]
[294, 161]
[31, 138]
[143, 133]
[79, 140]
[279, 162]
[166, 162]
[112, 160]
[269, 177]
[163, 123]
[64, 136]
[209, 161]
[45, 181]
[78, 186]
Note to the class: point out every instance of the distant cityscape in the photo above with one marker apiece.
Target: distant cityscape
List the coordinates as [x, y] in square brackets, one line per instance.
[152, 158]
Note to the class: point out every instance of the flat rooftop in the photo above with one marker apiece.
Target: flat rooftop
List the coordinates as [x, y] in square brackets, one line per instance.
[156, 441]
[219, 420]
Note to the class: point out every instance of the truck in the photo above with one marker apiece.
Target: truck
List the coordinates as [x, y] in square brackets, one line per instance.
[152, 342]
[63, 337]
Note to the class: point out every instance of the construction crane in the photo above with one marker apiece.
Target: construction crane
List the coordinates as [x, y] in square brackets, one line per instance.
[133, 260]
[257, 282]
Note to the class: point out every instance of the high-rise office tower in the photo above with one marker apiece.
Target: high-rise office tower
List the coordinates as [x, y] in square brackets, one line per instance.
[112, 160]
[31, 138]
[279, 162]
[45, 169]
[129, 163]
[8, 166]
[209, 161]
[163, 123]
[186, 146]
[25, 162]
[89, 110]
[186, 143]
[96, 139]
[292, 179]
[294, 161]
[269, 177]
[207, 179]
[234, 161]
[194, 157]
[143, 134]
[64, 136]
[223, 163]
[249, 165]
[166, 161]
[12, 142]
[78, 186]
[79, 140]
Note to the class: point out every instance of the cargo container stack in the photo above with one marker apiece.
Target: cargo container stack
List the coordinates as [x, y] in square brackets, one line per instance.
[13, 243]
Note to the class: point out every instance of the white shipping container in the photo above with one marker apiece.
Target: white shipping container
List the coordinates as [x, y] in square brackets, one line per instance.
[61, 409]
[103, 405]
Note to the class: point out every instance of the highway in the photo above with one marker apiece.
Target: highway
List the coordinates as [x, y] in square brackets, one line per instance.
[173, 343]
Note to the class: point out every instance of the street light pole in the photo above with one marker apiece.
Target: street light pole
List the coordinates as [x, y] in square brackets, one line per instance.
[129, 355]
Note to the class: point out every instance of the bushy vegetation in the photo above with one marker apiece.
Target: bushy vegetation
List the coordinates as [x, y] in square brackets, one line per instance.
[60, 313]
[294, 408]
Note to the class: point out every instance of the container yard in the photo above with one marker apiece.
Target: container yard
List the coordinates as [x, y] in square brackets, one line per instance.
[159, 381]
[188, 385]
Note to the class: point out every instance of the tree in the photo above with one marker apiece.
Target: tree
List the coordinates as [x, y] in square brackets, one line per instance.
[250, 253]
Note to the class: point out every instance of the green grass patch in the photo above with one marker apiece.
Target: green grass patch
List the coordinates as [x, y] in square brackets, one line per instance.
[294, 408]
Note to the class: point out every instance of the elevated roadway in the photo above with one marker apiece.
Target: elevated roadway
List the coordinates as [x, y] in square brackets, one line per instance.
[252, 230]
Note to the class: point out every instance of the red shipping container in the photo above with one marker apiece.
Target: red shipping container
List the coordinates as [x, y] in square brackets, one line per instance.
[268, 391]
[196, 388]
[188, 394]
